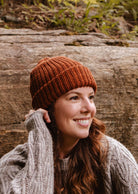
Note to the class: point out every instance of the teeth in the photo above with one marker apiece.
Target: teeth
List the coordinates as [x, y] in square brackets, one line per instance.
[83, 122]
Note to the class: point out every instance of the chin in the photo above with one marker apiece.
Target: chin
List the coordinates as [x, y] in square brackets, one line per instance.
[84, 136]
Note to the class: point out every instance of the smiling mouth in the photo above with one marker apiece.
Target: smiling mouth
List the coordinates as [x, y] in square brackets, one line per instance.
[83, 122]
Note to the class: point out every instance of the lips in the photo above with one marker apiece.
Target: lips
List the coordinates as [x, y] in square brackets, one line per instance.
[83, 122]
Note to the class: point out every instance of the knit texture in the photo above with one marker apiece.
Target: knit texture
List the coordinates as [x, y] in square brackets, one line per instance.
[55, 76]
[28, 169]
[121, 172]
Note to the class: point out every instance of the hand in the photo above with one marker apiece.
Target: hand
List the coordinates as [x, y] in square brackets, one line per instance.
[45, 114]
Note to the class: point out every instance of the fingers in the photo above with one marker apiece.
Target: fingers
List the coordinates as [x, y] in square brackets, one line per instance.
[46, 117]
[29, 114]
[45, 114]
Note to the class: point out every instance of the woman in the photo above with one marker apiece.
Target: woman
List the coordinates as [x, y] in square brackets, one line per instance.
[67, 151]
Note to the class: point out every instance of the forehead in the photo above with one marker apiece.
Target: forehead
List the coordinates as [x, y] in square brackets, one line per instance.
[81, 90]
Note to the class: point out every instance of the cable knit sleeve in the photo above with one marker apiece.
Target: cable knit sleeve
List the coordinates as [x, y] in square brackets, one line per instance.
[37, 175]
[123, 169]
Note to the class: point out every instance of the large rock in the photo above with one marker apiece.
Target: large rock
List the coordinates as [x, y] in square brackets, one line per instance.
[115, 69]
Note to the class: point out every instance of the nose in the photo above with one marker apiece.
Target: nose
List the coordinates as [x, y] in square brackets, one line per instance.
[88, 106]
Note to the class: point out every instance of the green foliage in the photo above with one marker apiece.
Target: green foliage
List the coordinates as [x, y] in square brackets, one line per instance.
[104, 12]
[131, 7]
[68, 17]
[80, 15]
[73, 1]
[2, 2]
[109, 10]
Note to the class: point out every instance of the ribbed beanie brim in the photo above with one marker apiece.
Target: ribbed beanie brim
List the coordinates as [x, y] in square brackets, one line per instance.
[55, 76]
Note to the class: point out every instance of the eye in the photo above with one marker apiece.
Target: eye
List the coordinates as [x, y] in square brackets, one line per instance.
[74, 98]
[91, 97]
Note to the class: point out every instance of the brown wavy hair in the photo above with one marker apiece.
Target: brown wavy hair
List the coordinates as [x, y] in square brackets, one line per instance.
[86, 162]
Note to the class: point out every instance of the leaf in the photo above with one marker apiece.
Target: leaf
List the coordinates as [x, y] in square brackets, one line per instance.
[41, 18]
[134, 14]
[90, 1]
[25, 6]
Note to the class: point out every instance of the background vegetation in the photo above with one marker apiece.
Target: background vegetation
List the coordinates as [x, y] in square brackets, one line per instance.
[116, 18]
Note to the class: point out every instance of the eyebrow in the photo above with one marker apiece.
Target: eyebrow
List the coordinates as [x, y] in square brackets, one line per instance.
[79, 93]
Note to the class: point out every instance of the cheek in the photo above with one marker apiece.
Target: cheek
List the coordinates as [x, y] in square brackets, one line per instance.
[94, 110]
[63, 107]
[59, 113]
[65, 112]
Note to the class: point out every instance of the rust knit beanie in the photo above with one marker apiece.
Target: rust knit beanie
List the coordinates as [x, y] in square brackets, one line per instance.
[55, 76]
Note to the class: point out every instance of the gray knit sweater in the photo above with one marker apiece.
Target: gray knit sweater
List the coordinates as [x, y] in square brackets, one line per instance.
[29, 168]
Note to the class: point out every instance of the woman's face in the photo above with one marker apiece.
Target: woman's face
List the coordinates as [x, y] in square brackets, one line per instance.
[74, 112]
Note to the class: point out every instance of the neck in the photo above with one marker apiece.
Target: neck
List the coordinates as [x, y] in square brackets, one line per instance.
[66, 145]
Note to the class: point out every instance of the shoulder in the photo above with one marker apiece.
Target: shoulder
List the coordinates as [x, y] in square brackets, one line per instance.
[10, 164]
[121, 167]
[117, 151]
[13, 161]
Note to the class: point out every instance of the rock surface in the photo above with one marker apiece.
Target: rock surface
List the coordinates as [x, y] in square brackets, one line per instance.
[113, 63]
